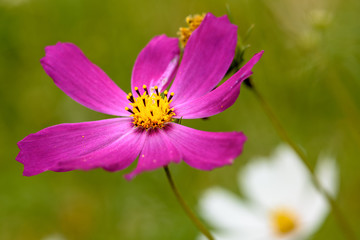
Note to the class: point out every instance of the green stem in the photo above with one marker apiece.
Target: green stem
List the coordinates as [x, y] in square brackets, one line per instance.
[343, 224]
[186, 208]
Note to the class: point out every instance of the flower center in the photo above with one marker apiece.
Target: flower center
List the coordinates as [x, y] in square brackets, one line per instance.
[193, 23]
[150, 110]
[283, 221]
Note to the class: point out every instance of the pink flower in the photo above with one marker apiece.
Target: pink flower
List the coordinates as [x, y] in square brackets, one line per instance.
[145, 128]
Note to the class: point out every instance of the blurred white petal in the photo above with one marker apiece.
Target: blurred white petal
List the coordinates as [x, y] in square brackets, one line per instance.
[328, 174]
[315, 207]
[274, 182]
[226, 211]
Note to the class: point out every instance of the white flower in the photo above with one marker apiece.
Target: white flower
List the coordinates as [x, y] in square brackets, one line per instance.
[282, 203]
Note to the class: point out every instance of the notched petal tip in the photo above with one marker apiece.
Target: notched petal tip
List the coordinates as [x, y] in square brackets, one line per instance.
[26, 159]
[224, 18]
[59, 47]
[28, 170]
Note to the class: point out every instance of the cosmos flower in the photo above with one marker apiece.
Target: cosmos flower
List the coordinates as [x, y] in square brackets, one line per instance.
[145, 126]
[282, 203]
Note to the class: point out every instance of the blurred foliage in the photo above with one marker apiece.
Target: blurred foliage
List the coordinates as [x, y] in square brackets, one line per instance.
[309, 74]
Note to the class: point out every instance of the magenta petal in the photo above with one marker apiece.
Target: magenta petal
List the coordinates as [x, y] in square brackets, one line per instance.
[82, 80]
[207, 57]
[219, 99]
[112, 144]
[156, 63]
[206, 150]
[158, 151]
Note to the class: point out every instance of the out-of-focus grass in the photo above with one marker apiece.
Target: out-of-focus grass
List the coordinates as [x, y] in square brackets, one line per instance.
[309, 75]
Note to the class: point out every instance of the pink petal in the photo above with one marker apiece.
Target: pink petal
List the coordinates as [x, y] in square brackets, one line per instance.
[207, 57]
[82, 80]
[219, 99]
[112, 144]
[206, 150]
[156, 63]
[158, 151]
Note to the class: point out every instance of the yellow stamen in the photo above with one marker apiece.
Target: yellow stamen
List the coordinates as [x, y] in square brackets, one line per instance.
[151, 110]
[171, 96]
[145, 89]
[156, 90]
[137, 91]
[193, 23]
[283, 221]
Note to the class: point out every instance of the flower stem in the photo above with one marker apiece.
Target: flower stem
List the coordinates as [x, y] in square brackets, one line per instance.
[339, 216]
[186, 208]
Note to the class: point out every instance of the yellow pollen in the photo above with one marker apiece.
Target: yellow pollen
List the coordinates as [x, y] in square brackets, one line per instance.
[283, 221]
[150, 110]
[193, 23]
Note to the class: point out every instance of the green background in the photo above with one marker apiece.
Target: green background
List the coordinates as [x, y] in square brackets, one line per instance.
[309, 74]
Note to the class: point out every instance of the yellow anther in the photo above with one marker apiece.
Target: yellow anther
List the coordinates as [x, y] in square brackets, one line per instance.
[193, 23]
[145, 89]
[156, 90]
[130, 97]
[137, 91]
[171, 96]
[283, 221]
[129, 110]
